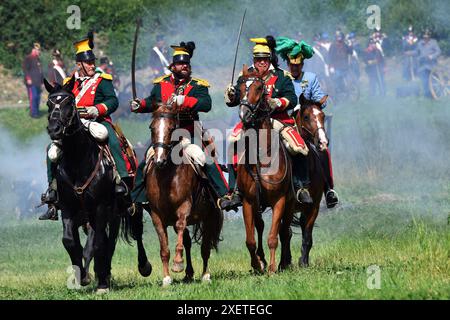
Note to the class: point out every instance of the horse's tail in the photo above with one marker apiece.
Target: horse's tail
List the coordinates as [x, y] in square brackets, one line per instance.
[127, 226]
[209, 229]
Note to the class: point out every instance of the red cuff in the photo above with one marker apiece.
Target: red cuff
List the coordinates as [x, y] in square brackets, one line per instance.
[284, 104]
[102, 109]
[189, 102]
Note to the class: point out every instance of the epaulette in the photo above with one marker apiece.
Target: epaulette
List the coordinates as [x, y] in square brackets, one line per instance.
[106, 76]
[201, 82]
[288, 74]
[159, 79]
[66, 80]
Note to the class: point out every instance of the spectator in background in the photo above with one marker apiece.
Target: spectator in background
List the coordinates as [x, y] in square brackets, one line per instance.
[33, 79]
[107, 66]
[427, 51]
[375, 69]
[158, 58]
[56, 69]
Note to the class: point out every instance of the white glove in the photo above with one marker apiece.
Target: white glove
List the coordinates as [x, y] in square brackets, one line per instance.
[135, 105]
[274, 103]
[180, 100]
[92, 112]
[230, 92]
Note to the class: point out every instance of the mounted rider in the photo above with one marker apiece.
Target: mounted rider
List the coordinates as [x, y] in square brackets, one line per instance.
[192, 96]
[280, 97]
[95, 101]
[306, 83]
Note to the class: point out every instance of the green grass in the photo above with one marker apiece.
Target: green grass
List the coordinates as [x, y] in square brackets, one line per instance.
[18, 122]
[412, 256]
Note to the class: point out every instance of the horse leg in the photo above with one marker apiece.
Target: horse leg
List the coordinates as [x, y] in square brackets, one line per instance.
[307, 225]
[164, 251]
[206, 252]
[100, 250]
[272, 241]
[285, 239]
[137, 229]
[111, 238]
[88, 252]
[259, 224]
[182, 212]
[72, 244]
[187, 242]
[249, 213]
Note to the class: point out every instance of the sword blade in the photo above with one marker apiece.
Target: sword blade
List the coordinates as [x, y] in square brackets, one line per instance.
[237, 45]
[133, 59]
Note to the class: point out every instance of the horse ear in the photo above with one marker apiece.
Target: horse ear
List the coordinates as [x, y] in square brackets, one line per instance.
[302, 100]
[48, 86]
[244, 70]
[323, 100]
[69, 85]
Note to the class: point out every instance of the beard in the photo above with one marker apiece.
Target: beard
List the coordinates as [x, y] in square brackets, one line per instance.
[182, 75]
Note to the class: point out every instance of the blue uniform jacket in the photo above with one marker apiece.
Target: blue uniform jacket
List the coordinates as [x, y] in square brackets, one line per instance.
[310, 87]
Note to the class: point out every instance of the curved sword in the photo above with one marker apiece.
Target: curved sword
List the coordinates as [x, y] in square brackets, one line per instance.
[133, 58]
[237, 46]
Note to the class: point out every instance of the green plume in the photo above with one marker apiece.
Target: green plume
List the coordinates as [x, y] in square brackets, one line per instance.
[287, 47]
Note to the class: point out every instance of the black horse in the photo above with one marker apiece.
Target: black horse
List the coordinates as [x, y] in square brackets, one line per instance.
[85, 186]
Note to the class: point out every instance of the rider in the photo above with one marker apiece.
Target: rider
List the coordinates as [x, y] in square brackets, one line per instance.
[192, 97]
[281, 98]
[306, 83]
[94, 94]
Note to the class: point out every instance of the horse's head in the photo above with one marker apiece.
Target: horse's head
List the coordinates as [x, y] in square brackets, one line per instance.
[253, 105]
[165, 121]
[63, 117]
[311, 121]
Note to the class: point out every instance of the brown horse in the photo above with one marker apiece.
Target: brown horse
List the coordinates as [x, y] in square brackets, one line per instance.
[179, 197]
[261, 190]
[309, 121]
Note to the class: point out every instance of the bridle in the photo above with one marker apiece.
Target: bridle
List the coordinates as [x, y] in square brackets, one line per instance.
[56, 114]
[254, 107]
[167, 115]
[313, 134]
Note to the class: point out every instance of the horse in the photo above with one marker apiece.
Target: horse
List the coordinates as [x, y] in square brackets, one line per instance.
[259, 190]
[309, 121]
[179, 197]
[85, 184]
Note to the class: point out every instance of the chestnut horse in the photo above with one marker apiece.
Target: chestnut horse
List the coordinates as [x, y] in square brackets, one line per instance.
[179, 197]
[309, 121]
[261, 190]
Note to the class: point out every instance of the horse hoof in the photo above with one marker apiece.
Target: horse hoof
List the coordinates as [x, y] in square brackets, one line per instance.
[102, 291]
[86, 280]
[146, 270]
[178, 267]
[206, 278]
[167, 281]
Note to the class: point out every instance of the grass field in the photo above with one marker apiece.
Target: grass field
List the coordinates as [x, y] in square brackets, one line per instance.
[392, 174]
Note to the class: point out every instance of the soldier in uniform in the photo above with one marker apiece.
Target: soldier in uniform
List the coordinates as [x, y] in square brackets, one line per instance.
[192, 96]
[158, 58]
[307, 83]
[375, 69]
[339, 60]
[281, 98]
[427, 51]
[409, 47]
[56, 72]
[94, 94]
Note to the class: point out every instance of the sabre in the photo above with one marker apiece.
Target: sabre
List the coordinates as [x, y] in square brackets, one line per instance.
[133, 59]
[237, 45]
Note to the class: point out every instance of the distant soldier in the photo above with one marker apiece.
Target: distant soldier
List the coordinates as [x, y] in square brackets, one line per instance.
[380, 39]
[427, 51]
[107, 66]
[158, 58]
[339, 60]
[56, 69]
[33, 79]
[375, 69]
[409, 47]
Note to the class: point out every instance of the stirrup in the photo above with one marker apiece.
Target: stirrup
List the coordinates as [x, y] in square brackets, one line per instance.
[51, 214]
[229, 202]
[302, 195]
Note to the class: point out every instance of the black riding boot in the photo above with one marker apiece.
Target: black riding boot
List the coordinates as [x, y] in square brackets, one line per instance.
[301, 179]
[50, 197]
[331, 197]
